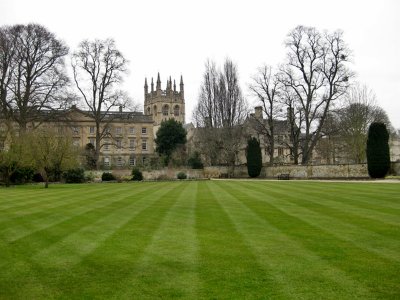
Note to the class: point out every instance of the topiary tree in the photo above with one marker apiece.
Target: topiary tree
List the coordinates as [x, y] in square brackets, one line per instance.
[170, 135]
[378, 155]
[254, 158]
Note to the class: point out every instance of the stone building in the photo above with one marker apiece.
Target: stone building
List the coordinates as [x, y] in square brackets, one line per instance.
[164, 104]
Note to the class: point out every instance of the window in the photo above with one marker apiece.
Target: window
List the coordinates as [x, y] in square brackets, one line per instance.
[118, 130]
[106, 161]
[132, 161]
[76, 142]
[75, 130]
[106, 145]
[131, 130]
[108, 130]
[165, 110]
[144, 130]
[176, 110]
[280, 151]
[148, 111]
[132, 144]
[155, 110]
[92, 141]
[91, 129]
[118, 143]
[144, 160]
[119, 161]
[144, 145]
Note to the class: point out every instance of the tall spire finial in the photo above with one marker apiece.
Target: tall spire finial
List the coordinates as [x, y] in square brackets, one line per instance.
[158, 81]
[174, 86]
[146, 87]
[152, 84]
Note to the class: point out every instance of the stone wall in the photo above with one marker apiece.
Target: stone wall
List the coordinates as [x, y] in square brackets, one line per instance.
[297, 172]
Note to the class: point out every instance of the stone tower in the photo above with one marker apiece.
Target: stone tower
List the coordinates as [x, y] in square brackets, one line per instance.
[164, 104]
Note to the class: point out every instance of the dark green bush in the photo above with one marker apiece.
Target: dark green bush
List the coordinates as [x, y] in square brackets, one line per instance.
[378, 154]
[22, 175]
[37, 177]
[107, 176]
[137, 174]
[195, 161]
[181, 175]
[254, 158]
[74, 175]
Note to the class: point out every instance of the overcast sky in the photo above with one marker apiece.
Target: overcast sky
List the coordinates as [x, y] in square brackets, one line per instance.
[176, 37]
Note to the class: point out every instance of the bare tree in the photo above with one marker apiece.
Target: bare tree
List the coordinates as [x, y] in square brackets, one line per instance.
[98, 67]
[360, 112]
[46, 150]
[266, 87]
[316, 72]
[33, 78]
[220, 113]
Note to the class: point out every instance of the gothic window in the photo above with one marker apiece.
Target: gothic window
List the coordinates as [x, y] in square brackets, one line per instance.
[119, 161]
[165, 110]
[176, 110]
[148, 111]
[155, 110]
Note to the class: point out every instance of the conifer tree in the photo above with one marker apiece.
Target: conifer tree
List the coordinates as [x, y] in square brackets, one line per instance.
[378, 155]
[254, 158]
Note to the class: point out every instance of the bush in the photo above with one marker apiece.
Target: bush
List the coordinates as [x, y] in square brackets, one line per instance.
[254, 158]
[195, 161]
[37, 177]
[107, 176]
[137, 175]
[74, 175]
[181, 175]
[22, 175]
[378, 155]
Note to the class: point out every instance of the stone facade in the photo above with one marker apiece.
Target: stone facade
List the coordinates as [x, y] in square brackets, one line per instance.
[164, 104]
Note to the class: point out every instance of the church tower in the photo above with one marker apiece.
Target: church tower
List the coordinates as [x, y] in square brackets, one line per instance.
[164, 104]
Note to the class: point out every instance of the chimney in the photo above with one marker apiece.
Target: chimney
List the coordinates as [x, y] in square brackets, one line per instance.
[258, 113]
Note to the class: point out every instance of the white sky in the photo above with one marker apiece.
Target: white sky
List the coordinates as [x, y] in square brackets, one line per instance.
[176, 37]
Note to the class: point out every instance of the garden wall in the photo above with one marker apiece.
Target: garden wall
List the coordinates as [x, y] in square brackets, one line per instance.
[298, 172]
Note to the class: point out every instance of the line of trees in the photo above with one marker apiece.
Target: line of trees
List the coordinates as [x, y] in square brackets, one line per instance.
[312, 90]
[34, 85]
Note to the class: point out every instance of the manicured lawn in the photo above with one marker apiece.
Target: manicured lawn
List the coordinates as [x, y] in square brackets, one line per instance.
[207, 239]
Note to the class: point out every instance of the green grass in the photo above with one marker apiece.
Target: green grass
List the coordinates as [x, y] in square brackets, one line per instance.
[206, 239]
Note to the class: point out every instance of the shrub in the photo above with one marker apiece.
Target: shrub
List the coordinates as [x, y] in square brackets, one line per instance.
[378, 155]
[107, 176]
[76, 175]
[137, 174]
[37, 177]
[181, 175]
[195, 161]
[22, 175]
[254, 158]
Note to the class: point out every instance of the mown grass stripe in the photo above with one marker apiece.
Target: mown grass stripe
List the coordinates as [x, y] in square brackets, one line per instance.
[355, 261]
[283, 257]
[109, 265]
[74, 246]
[227, 266]
[42, 239]
[364, 239]
[168, 266]
[323, 205]
[21, 227]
